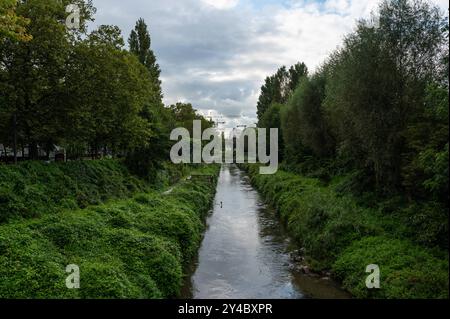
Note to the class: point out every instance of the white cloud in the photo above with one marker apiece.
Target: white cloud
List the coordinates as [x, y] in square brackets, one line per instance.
[217, 53]
[221, 4]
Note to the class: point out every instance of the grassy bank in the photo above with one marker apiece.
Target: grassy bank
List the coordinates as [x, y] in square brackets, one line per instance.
[30, 189]
[132, 248]
[340, 235]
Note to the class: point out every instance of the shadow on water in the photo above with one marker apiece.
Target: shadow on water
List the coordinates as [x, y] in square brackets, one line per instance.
[245, 253]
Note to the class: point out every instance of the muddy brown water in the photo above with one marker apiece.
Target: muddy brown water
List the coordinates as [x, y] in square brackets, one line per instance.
[245, 252]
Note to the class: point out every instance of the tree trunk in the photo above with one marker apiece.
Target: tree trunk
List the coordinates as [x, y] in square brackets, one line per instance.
[15, 137]
[33, 151]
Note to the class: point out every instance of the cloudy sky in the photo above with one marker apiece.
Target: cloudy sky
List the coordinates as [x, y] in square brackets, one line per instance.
[216, 54]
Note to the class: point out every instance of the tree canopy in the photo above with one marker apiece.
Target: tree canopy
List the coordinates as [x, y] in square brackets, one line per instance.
[378, 105]
[82, 91]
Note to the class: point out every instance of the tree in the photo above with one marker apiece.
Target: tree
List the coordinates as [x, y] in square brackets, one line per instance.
[184, 115]
[275, 93]
[34, 69]
[33, 74]
[107, 88]
[140, 45]
[426, 159]
[377, 86]
[272, 119]
[279, 87]
[296, 73]
[411, 32]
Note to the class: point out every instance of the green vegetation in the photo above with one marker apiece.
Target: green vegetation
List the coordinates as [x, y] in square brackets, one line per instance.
[134, 248]
[85, 93]
[340, 234]
[12, 26]
[363, 139]
[407, 271]
[365, 142]
[377, 107]
[31, 189]
[81, 91]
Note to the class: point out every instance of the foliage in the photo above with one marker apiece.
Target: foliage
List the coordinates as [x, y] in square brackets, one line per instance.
[12, 26]
[279, 87]
[31, 189]
[303, 120]
[340, 234]
[378, 105]
[107, 88]
[426, 172]
[133, 248]
[272, 119]
[406, 271]
[140, 44]
[184, 114]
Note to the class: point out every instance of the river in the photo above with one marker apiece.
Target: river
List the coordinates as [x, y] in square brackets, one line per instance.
[245, 252]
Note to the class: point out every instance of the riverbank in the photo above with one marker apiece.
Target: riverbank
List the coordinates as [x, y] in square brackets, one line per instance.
[246, 252]
[341, 236]
[124, 248]
[32, 189]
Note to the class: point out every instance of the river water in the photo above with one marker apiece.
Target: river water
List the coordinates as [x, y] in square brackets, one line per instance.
[245, 253]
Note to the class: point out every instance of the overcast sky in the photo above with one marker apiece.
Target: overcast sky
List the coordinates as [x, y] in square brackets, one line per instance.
[216, 54]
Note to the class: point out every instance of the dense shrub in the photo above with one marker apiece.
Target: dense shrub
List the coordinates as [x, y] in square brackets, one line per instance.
[340, 234]
[133, 248]
[406, 270]
[33, 188]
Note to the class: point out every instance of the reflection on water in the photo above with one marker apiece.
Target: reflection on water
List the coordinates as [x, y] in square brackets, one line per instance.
[245, 252]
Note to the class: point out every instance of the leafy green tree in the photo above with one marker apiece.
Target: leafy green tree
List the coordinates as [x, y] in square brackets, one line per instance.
[279, 87]
[426, 158]
[107, 89]
[140, 45]
[363, 107]
[12, 26]
[304, 123]
[184, 115]
[33, 74]
[109, 35]
[275, 93]
[34, 71]
[411, 32]
[272, 119]
[296, 73]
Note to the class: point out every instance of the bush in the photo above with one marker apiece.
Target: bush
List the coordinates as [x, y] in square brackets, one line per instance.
[406, 270]
[133, 248]
[339, 233]
[31, 189]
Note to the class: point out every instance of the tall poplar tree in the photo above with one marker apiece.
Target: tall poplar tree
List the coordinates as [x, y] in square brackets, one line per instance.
[140, 45]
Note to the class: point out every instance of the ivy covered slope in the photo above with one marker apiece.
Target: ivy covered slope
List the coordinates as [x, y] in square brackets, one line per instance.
[340, 234]
[129, 248]
[32, 188]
